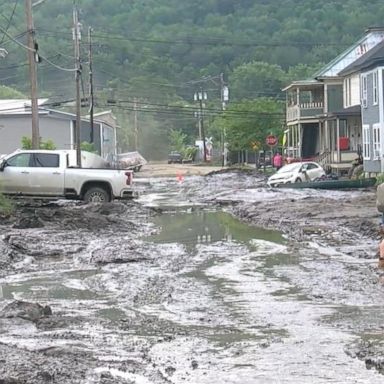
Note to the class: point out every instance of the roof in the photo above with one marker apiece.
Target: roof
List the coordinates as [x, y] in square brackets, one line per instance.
[18, 106]
[351, 111]
[303, 83]
[373, 57]
[13, 107]
[371, 38]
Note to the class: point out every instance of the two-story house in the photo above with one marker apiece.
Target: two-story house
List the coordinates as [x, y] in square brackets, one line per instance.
[321, 123]
[367, 72]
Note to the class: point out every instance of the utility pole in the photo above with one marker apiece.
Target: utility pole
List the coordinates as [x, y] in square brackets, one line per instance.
[136, 128]
[76, 38]
[224, 93]
[200, 97]
[32, 56]
[91, 99]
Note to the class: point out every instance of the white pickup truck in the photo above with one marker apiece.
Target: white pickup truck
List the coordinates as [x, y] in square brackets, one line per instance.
[51, 174]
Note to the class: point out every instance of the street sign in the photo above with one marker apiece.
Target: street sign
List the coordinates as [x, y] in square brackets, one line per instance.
[271, 140]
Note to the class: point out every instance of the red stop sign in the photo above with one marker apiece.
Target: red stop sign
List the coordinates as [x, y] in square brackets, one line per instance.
[271, 140]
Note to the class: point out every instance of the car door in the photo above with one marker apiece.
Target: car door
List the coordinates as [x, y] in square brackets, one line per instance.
[16, 176]
[314, 171]
[48, 177]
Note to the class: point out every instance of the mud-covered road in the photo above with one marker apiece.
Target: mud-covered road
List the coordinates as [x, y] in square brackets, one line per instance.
[203, 279]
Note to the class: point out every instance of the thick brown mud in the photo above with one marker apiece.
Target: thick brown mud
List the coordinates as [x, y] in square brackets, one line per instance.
[202, 280]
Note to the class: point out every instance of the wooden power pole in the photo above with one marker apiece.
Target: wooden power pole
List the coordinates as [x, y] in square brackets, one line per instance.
[91, 98]
[76, 38]
[32, 55]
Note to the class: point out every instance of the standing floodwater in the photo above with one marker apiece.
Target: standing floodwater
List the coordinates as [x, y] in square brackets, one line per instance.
[183, 292]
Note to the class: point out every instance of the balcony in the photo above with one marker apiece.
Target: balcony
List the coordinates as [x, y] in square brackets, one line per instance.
[304, 110]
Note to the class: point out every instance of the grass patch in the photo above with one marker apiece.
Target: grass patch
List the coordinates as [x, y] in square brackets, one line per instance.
[6, 206]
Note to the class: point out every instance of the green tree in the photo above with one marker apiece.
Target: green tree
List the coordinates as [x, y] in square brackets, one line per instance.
[257, 79]
[248, 122]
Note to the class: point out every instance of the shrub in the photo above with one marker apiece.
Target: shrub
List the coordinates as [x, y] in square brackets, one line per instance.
[26, 143]
[89, 147]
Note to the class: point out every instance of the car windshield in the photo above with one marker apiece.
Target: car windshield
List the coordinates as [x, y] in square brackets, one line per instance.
[290, 168]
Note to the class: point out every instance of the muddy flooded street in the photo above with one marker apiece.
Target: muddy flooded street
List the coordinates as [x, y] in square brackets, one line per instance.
[203, 279]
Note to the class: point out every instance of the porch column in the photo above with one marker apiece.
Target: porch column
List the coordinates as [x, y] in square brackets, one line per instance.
[71, 134]
[299, 134]
[337, 140]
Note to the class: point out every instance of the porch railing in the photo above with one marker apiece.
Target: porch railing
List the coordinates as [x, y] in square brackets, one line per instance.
[309, 109]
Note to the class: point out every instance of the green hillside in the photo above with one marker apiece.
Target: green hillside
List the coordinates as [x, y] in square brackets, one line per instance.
[160, 51]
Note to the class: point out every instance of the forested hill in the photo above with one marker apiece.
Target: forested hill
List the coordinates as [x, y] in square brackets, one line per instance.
[157, 50]
[176, 41]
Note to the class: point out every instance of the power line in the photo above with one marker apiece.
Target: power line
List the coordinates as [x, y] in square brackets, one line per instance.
[9, 21]
[234, 114]
[191, 108]
[206, 41]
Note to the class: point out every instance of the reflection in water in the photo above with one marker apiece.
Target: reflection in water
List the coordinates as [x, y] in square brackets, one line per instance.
[207, 227]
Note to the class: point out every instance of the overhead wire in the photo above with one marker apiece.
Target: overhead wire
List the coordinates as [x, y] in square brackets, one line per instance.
[9, 21]
[203, 41]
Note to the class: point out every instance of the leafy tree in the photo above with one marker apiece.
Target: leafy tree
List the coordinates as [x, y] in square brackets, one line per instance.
[248, 122]
[256, 79]
[177, 140]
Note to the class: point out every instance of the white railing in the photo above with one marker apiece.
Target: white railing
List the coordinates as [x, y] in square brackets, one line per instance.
[312, 105]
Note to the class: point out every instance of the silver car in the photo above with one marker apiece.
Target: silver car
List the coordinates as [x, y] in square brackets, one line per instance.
[296, 173]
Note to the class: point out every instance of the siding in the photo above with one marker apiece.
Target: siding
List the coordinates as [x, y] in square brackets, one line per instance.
[371, 114]
[335, 98]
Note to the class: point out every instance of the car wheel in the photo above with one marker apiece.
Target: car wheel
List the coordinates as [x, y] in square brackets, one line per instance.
[298, 180]
[96, 195]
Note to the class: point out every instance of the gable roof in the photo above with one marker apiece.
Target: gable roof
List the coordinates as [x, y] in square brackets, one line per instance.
[373, 57]
[372, 37]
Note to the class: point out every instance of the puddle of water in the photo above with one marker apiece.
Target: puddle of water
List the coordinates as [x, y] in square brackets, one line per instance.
[66, 287]
[196, 227]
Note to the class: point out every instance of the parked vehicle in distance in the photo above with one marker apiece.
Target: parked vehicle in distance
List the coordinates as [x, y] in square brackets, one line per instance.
[175, 157]
[265, 158]
[52, 174]
[296, 173]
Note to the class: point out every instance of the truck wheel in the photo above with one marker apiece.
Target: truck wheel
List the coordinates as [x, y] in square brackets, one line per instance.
[96, 195]
[298, 180]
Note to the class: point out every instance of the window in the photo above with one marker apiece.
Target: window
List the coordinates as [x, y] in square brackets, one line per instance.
[347, 92]
[366, 142]
[364, 91]
[20, 160]
[46, 160]
[376, 141]
[375, 92]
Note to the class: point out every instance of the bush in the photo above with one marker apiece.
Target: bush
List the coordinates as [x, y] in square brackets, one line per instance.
[89, 147]
[26, 143]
